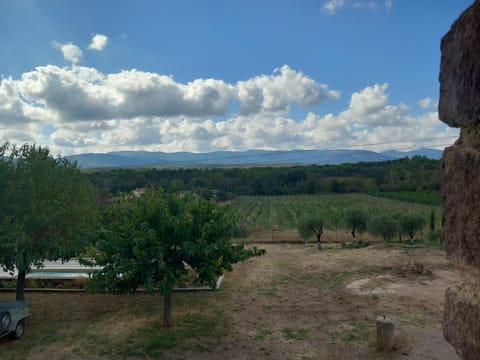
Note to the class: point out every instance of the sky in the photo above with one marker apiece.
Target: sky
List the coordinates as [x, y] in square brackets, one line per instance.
[200, 76]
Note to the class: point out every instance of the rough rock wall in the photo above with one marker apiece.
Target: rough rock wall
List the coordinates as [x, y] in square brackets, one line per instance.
[459, 106]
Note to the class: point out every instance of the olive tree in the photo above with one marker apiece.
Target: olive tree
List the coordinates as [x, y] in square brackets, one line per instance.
[411, 224]
[311, 225]
[150, 241]
[48, 210]
[356, 219]
[384, 226]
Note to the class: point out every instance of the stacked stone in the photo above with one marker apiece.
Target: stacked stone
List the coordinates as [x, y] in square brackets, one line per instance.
[459, 106]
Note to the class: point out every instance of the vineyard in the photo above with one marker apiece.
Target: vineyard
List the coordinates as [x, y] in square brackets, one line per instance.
[265, 214]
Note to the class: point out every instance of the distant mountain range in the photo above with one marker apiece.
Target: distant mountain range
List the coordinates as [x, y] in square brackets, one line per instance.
[242, 158]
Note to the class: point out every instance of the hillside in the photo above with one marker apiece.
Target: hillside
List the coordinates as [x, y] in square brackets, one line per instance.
[251, 157]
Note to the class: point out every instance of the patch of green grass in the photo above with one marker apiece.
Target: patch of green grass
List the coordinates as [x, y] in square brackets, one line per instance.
[422, 319]
[418, 244]
[30, 341]
[292, 334]
[360, 332]
[198, 331]
[269, 291]
[262, 334]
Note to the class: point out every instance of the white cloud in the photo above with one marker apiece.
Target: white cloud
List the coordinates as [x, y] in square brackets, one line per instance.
[388, 6]
[370, 5]
[427, 103]
[70, 52]
[82, 93]
[88, 111]
[332, 6]
[276, 92]
[99, 41]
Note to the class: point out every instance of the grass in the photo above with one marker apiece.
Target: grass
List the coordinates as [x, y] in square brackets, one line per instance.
[294, 334]
[360, 332]
[293, 301]
[119, 326]
[417, 244]
[197, 331]
[262, 334]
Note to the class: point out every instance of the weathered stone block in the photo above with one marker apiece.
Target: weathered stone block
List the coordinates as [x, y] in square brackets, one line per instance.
[459, 103]
[461, 195]
[461, 324]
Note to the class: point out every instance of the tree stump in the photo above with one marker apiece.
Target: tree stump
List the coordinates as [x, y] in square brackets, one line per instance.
[385, 333]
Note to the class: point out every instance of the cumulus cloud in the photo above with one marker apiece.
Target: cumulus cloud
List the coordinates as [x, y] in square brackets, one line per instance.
[332, 6]
[276, 92]
[99, 41]
[70, 51]
[86, 110]
[82, 93]
[427, 103]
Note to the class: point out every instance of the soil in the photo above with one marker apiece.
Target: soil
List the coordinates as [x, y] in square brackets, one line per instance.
[296, 302]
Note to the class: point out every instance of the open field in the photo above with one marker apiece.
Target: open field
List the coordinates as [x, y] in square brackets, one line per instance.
[268, 218]
[294, 303]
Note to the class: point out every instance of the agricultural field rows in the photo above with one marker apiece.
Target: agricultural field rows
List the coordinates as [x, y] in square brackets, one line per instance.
[282, 212]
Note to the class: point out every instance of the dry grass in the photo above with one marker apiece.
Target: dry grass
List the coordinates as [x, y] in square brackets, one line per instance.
[292, 303]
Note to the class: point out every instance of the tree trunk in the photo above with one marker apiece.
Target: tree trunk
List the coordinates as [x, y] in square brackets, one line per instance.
[21, 285]
[167, 310]
[318, 241]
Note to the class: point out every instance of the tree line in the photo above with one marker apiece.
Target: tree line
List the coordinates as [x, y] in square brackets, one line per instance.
[408, 174]
[385, 226]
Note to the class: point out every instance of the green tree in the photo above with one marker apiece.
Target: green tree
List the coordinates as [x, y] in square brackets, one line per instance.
[47, 210]
[151, 240]
[356, 219]
[411, 224]
[384, 226]
[311, 225]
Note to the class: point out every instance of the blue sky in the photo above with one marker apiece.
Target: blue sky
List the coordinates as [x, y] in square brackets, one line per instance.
[99, 76]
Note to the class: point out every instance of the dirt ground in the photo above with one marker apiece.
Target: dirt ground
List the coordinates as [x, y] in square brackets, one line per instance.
[293, 303]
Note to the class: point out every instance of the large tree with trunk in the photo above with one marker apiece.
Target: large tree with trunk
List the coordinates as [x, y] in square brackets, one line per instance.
[48, 210]
[411, 223]
[384, 226]
[356, 219]
[311, 225]
[152, 240]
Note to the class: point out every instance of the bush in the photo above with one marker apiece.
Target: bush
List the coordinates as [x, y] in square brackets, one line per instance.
[434, 235]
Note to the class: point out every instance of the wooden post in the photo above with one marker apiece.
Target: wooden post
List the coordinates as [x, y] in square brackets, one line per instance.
[385, 333]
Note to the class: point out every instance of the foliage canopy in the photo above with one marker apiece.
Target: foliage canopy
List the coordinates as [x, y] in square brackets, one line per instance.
[311, 225]
[411, 223]
[384, 226]
[47, 209]
[151, 240]
[356, 219]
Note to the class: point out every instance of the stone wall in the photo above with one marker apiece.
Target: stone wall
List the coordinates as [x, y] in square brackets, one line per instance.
[459, 106]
